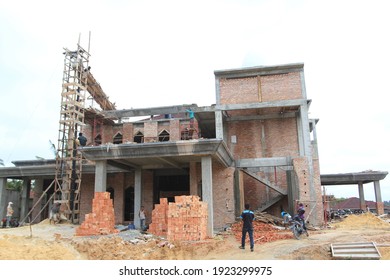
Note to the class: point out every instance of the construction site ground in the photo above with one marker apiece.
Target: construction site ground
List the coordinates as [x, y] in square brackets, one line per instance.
[45, 241]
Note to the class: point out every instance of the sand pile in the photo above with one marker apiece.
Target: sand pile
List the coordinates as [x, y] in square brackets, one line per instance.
[366, 220]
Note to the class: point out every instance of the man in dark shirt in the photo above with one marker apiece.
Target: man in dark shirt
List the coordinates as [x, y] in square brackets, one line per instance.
[247, 217]
[82, 139]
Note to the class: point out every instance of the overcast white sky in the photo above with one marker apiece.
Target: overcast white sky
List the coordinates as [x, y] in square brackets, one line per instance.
[160, 53]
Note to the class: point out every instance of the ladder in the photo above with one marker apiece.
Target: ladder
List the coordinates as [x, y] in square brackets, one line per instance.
[69, 159]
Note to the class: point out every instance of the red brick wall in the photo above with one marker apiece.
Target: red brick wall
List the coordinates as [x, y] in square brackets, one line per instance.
[147, 193]
[150, 131]
[128, 134]
[117, 182]
[311, 198]
[174, 130]
[273, 88]
[236, 91]
[223, 195]
[281, 138]
[281, 87]
[108, 134]
[86, 195]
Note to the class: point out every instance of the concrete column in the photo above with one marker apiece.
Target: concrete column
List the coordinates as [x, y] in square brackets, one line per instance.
[137, 196]
[218, 125]
[193, 179]
[101, 176]
[38, 190]
[304, 132]
[3, 198]
[217, 91]
[361, 196]
[24, 198]
[378, 198]
[207, 192]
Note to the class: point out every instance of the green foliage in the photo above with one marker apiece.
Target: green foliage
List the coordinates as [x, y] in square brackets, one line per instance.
[14, 184]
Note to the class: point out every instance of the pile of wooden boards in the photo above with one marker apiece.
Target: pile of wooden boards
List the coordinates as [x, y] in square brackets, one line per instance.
[268, 218]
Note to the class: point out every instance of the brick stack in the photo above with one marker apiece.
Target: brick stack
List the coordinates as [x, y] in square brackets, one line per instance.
[102, 219]
[159, 225]
[184, 220]
[187, 219]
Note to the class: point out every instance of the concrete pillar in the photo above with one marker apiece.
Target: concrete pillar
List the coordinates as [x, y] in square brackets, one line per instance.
[3, 198]
[304, 132]
[137, 196]
[380, 208]
[207, 192]
[38, 190]
[218, 125]
[24, 198]
[193, 179]
[361, 196]
[101, 176]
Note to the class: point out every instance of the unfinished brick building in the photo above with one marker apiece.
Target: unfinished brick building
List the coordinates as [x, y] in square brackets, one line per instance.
[256, 145]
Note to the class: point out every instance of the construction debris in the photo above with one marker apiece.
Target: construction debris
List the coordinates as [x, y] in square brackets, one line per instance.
[268, 218]
[262, 232]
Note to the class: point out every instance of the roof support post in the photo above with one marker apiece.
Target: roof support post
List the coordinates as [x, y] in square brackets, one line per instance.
[378, 198]
[101, 176]
[137, 196]
[207, 192]
[361, 196]
[24, 197]
[3, 202]
[218, 124]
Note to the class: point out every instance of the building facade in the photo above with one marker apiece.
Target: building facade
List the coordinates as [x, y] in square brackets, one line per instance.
[256, 145]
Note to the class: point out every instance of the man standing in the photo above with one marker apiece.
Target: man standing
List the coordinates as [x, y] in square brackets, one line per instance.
[10, 212]
[247, 217]
[142, 217]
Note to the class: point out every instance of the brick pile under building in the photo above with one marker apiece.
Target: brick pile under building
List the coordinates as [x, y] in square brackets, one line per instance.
[102, 219]
[183, 220]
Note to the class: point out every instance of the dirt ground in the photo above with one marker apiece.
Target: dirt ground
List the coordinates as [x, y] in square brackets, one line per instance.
[44, 241]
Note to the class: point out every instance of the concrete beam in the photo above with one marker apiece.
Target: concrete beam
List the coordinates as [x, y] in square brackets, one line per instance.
[262, 117]
[128, 113]
[263, 162]
[262, 105]
[259, 71]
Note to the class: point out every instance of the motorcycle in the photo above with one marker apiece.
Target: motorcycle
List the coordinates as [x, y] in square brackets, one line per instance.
[296, 226]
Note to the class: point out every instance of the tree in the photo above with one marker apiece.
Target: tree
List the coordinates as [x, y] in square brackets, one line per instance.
[1, 162]
[15, 185]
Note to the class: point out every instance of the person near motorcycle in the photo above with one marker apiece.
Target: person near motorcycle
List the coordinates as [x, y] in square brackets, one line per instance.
[247, 217]
[301, 214]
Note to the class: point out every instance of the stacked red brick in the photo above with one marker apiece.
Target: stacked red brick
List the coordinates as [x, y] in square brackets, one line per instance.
[184, 220]
[159, 225]
[102, 219]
